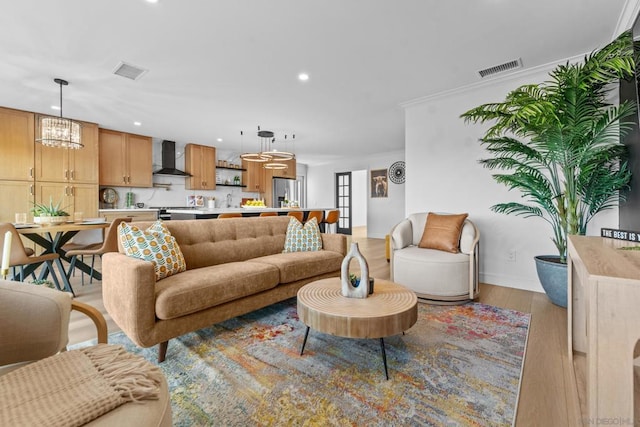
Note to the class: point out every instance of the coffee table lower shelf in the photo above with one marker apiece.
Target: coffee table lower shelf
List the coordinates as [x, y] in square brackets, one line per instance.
[390, 310]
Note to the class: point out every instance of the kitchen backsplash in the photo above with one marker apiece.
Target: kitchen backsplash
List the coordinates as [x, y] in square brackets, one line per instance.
[176, 194]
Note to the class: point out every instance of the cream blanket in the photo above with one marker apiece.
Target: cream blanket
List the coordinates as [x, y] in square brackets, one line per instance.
[75, 387]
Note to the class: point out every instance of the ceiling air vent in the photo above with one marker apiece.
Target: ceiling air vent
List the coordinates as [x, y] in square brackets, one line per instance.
[129, 71]
[507, 66]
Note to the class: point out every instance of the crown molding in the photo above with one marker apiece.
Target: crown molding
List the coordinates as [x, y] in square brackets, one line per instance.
[492, 81]
[627, 18]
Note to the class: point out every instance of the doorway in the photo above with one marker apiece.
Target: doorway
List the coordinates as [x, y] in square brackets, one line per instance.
[359, 181]
[343, 201]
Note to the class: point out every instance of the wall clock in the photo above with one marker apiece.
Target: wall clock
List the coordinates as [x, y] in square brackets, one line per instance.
[396, 172]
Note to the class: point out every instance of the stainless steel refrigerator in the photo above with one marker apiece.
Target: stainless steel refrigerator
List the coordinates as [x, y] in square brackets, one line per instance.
[286, 189]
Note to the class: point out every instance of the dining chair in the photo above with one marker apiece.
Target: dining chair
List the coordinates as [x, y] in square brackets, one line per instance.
[268, 213]
[299, 215]
[108, 244]
[21, 256]
[230, 215]
[331, 219]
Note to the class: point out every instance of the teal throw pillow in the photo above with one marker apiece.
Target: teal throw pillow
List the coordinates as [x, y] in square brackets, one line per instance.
[302, 238]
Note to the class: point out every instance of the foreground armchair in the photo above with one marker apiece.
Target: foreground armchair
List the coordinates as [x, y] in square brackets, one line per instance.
[37, 373]
[437, 272]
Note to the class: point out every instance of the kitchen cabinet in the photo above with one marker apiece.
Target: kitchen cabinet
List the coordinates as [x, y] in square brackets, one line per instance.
[17, 135]
[125, 159]
[200, 162]
[254, 177]
[135, 215]
[72, 197]
[289, 172]
[67, 165]
[17, 197]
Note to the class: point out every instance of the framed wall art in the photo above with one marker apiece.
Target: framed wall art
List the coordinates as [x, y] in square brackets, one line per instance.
[379, 183]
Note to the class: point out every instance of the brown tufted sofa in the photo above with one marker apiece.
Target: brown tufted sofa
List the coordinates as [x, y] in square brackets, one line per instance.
[234, 266]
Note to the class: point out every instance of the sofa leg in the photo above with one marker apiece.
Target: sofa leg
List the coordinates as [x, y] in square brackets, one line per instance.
[162, 351]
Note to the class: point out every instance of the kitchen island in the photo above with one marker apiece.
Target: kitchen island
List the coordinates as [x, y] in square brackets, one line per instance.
[254, 211]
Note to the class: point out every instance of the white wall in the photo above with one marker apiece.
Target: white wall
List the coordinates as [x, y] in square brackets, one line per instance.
[443, 174]
[382, 213]
[359, 195]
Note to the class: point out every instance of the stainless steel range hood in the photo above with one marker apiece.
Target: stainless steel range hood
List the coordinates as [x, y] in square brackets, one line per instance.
[169, 160]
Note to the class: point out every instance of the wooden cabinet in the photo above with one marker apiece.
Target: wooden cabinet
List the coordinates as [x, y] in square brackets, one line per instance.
[16, 197]
[72, 166]
[289, 172]
[200, 162]
[604, 323]
[16, 145]
[125, 159]
[72, 197]
[254, 177]
[145, 215]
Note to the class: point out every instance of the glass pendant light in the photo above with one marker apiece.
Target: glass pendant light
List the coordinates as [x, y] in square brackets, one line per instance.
[58, 131]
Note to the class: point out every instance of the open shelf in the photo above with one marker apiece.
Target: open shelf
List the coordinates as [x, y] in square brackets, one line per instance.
[230, 169]
[230, 185]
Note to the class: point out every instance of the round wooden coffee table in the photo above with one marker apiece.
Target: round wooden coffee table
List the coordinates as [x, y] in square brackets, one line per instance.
[390, 310]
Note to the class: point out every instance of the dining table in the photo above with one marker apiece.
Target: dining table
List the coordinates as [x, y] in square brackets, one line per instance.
[52, 237]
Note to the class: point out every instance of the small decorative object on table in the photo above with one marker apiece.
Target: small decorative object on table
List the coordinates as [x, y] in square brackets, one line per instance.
[348, 289]
[6, 255]
[49, 214]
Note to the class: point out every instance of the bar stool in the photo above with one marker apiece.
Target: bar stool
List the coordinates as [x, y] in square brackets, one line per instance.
[331, 218]
[299, 215]
[230, 215]
[268, 214]
[318, 215]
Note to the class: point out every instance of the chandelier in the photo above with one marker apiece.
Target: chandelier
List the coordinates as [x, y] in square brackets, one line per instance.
[58, 131]
[270, 157]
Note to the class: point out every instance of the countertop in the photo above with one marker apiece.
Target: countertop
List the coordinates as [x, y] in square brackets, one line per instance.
[128, 210]
[205, 211]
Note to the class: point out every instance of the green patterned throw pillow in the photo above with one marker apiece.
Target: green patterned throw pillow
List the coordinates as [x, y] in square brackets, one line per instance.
[302, 238]
[155, 244]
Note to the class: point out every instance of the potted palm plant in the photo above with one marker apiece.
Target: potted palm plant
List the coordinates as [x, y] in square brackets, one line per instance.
[558, 143]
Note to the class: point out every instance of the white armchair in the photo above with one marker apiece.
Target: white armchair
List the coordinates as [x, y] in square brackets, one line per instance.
[434, 275]
[34, 323]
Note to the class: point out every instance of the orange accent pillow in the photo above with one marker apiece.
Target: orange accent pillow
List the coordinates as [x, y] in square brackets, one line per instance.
[442, 232]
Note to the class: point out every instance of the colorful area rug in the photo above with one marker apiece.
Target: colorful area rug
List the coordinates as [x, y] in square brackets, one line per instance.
[458, 365]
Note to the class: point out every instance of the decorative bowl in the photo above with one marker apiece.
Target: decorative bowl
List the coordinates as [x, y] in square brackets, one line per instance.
[46, 220]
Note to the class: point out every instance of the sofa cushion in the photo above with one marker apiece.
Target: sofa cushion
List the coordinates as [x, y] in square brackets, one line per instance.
[442, 232]
[432, 272]
[295, 266]
[206, 242]
[195, 290]
[302, 238]
[155, 244]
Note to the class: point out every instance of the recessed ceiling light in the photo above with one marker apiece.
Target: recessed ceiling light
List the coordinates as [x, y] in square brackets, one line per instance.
[152, 1]
[303, 77]
[219, 139]
[55, 107]
[137, 124]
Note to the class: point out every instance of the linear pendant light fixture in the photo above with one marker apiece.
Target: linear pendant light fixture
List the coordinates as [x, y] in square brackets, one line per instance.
[58, 131]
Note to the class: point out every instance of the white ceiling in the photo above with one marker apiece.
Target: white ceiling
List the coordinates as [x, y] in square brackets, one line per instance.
[217, 67]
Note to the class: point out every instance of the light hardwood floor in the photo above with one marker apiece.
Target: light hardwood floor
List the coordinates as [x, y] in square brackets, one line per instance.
[548, 395]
